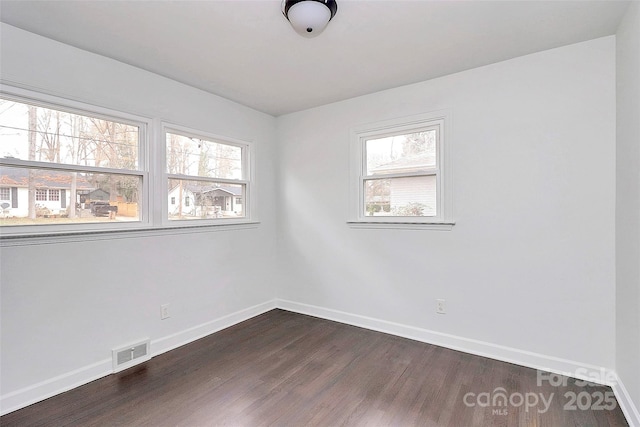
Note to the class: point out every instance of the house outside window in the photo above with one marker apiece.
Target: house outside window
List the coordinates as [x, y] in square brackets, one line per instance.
[400, 172]
[5, 193]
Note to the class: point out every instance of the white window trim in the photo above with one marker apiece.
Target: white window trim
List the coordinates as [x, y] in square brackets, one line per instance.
[144, 125]
[247, 178]
[359, 134]
[153, 203]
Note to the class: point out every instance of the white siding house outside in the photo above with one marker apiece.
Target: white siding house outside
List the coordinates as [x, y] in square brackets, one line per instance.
[417, 191]
[52, 192]
[52, 201]
[212, 201]
[407, 196]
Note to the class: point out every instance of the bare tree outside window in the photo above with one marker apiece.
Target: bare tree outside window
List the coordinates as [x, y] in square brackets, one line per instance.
[42, 136]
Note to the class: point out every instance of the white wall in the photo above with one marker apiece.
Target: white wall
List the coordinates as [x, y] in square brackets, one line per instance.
[628, 203]
[529, 264]
[66, 305]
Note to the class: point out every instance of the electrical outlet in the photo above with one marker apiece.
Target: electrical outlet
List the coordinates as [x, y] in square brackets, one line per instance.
[441, 307]
[164, 312]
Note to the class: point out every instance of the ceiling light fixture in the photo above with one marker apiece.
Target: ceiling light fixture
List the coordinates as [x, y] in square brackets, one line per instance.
[309, 17]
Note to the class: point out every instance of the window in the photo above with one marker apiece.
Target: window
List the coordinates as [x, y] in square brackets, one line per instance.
[209, 173]
[60, 161]
[399, 172]
[41, 195]
[68, 167]
[5, 193]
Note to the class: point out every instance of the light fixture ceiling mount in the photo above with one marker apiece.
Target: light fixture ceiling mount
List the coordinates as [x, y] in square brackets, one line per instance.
[309, 17]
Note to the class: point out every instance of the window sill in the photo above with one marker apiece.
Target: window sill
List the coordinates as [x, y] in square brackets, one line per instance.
[439, 226]
[91, 235]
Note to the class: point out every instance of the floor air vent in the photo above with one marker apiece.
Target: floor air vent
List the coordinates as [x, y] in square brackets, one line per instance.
[130, 355]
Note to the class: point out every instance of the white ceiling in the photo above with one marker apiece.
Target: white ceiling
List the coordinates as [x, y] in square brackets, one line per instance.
[247, 52]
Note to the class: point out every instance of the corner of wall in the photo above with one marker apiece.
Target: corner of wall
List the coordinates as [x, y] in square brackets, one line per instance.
[628, 209]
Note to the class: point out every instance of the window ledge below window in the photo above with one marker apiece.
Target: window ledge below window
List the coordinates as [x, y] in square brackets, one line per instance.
[440, 226]
[90, 235]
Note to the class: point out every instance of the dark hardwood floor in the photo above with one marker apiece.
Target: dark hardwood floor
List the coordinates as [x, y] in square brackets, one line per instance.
[287, 369]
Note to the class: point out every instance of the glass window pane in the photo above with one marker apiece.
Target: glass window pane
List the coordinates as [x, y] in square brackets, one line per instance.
[199, 157]
[205, 200]
[30, 132]
[414, 152]
[40, 196]
[401, 197]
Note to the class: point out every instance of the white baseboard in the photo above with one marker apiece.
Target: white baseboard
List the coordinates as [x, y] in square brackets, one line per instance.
[45, 389]
[631, 412]
[595, 374]
[170, 342]
[35, 393]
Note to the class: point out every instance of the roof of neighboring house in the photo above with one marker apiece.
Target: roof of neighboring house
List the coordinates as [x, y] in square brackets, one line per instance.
[19, 177]
[413, 163]
[231, 190]
[98, 191]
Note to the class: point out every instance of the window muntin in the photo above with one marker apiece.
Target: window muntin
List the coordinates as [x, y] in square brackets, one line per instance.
[67, 168]
[208, 174]
[398, 173]
[5, 193]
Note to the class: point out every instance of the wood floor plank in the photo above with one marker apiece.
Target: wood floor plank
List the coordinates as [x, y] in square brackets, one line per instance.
[287, 369]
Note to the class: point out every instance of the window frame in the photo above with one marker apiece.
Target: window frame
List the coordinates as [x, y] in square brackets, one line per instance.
[247, 161]
[443, 220]
[41, 195]
[144, 126]
[153, 202]
[53, 195]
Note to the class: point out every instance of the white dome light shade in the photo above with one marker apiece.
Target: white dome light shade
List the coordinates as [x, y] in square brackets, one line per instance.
[309, 17]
